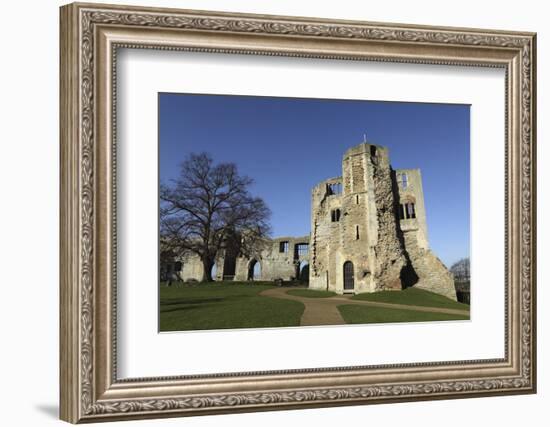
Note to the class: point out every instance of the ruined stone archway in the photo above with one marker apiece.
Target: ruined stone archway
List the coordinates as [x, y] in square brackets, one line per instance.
[254, 270]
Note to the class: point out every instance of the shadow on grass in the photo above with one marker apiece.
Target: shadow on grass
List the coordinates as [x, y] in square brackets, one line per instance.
[191, 301]
[185, 309]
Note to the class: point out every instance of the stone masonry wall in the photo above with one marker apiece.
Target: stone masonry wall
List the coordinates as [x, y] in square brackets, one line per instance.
[274, 264]
[325, 235]
[432, 274]
[389, 251]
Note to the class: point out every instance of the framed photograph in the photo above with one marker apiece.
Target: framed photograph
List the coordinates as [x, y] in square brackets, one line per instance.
[267, 212]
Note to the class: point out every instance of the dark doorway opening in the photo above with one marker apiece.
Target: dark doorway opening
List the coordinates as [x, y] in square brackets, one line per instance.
[408, 276]
[229, 266]
[349, 283]
[303, 275]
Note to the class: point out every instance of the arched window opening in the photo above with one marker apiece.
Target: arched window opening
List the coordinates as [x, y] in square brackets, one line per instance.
[407, 208]
[407, 211]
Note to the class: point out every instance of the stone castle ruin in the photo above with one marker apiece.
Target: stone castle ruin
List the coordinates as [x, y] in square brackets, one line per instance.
[368, 233]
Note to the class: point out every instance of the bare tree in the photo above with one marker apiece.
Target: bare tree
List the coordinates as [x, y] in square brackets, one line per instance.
[208, 207]
[461, 269]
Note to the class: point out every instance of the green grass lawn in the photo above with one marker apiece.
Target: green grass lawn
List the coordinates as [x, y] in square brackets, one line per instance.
[413, 296]
[310, 293]
[356, 314]
[220, 305]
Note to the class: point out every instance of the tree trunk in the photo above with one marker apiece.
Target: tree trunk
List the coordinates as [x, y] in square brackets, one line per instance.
[207, 266]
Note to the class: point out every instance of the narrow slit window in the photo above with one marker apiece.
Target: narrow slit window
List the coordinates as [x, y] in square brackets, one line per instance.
[356, 232]
[335, 215]
[401, 211]
[357, 199]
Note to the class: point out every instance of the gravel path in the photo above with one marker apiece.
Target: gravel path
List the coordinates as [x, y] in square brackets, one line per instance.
[324, 311]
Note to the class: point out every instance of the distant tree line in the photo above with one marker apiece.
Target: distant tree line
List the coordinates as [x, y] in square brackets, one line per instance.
[461, 273]
[461, 269]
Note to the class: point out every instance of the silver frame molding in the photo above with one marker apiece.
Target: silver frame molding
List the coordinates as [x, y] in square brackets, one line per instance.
[90, 37]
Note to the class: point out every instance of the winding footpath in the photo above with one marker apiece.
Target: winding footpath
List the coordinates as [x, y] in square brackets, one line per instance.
[324, 311]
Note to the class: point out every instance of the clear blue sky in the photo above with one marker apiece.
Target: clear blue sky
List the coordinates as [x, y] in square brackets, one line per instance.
[288, 145]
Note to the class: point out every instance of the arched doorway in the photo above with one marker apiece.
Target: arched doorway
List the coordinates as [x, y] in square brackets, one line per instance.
[348, 276]
[229, 267]
[254, 270]
[214, 271]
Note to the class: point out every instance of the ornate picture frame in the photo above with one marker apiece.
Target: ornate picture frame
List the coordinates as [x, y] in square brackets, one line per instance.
[90, 37]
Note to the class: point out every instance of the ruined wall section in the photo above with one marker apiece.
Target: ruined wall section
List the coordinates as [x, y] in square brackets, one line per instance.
[276, 261]
[192, 268]
[388, 249]
[325, 235]
[432, 274]
[366, 233]
[410, 190]
[280, 260]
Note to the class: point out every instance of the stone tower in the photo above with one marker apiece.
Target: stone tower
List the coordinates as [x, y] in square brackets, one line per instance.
[424, 269]
[369, 230]
[355, 246]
